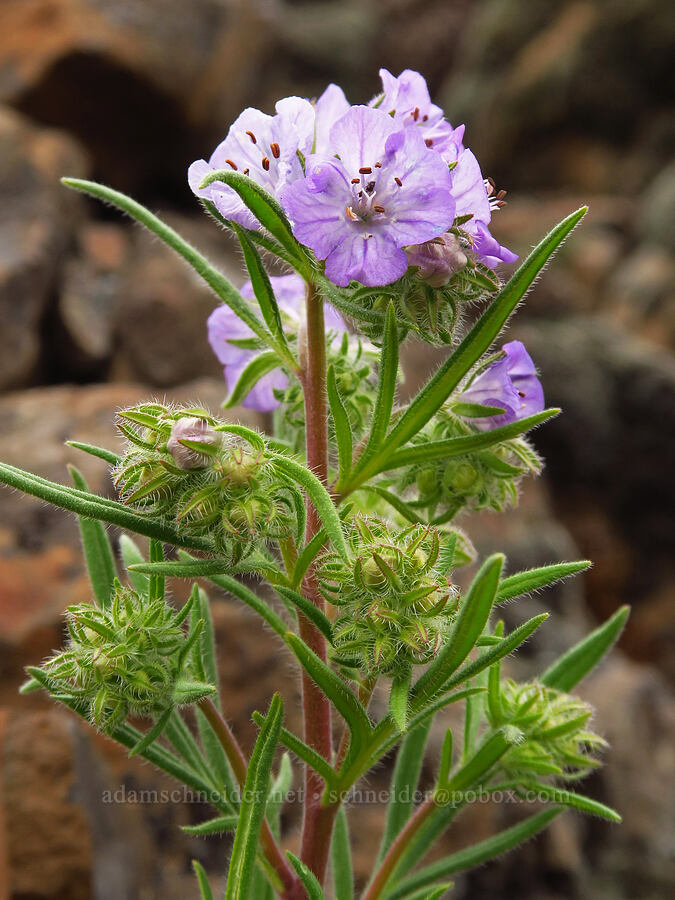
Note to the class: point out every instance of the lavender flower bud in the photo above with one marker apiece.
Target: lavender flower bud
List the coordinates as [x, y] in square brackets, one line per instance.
[437, 260]
[195, 430]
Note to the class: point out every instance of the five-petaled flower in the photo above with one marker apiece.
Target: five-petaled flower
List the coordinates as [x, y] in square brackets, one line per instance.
[510, 383]
[381, 191]
[225, 327]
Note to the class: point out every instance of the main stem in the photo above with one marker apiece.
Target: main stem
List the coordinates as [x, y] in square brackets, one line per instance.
[318, 820]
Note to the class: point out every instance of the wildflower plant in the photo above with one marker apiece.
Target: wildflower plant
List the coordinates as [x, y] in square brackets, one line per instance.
[380, 218]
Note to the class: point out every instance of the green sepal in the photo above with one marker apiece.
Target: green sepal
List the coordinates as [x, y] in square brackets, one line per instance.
[187, 691]
[100, 452]
[562, 797]
[567, 671]
[398, 699]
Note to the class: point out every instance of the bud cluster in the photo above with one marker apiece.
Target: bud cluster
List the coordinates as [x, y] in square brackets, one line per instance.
[485, 479]
[130, 659]
[184, 465]
[547, 729]
[395, 606]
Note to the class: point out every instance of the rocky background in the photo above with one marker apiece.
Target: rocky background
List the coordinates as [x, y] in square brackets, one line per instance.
[565, 103]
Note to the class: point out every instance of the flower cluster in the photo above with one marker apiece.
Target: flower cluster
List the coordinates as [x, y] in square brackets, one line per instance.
[130, 659]
[183, 465]
[547, 729]
[395, 605]
[378, 192]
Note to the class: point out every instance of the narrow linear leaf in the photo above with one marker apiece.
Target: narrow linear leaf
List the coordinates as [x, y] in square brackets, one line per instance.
[151, 736]
[259, 366]
[319, 497]
[215, 279]
[471, 619]
[534, 579]
[131, 556]
[267, 211]
[446, 760]
[481, 336]
[386, 388]
[98, 553]
[307, 556]
[157, 586]
[568, 798]
[307, 877]
[277, 795]
[308, 609]
[394, 501]
[219, 825]
[302, 750]
[202, 881]
[107, 455]
[476, 855]
[341, 858]
[580, 659]
[252, 812]
[344, 700]
[343, 428]
[485, 757]
[173, 568]
[246, 595]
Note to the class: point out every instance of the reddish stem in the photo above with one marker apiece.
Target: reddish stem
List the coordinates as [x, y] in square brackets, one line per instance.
[292, 886]
[318, 820]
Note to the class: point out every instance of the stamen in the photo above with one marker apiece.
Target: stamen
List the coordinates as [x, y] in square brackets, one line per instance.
[356, 181]
[365, 170]
[276, 150]
[425, 118]
[378, 165]
[232, 164]
[246, 171]
[265, 163]
[252, 136]
[416, 113]
[379, 209]
[398, 181]
[351, 214]
[429, 142]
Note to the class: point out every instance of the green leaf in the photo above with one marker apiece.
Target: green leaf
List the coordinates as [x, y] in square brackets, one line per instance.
[404, 781]
[481, 336]
[266, 210]
[98, 553]
[277, 796]
[563, 797]
[476, 410]
[344, 700]
[398, 699]
[262, 288]
[461, 446]
[394, 501]
[386, 389]
[179, 568]
[180, 736]
[107, 455]
[302, 750]
[254, 798]
[151, 736]
[534, 579]
[215, 279]
[578, 661]
[475, 855]
[446, 760]
[246, 595]
[202, 880]
[321, 499]
[307, 877]
[131, 556]
[308, 609]
[341, 858]
[94, 507]
[343, 428]
[473, 614]
[156, 588]
[307, 556]
[487, 755]
[259, 366]
[219, 825]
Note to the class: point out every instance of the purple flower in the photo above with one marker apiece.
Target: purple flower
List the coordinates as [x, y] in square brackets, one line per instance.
[263, 147]
[511, 384]
[191, 429]
[224, 327]
[384, 190]
[406, 99]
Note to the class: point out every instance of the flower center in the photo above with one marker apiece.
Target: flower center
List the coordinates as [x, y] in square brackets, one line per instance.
[364, 206]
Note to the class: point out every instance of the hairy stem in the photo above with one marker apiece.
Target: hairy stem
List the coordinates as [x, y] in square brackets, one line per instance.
[395, 852]
[318, 820]
[292, 887]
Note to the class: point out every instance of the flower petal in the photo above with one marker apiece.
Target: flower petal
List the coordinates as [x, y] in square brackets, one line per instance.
[330, 107]
[371, 258]
[359, 137]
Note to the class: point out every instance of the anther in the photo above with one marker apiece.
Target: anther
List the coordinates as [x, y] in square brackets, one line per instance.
[378, 165]
[365, 170]
[246, 171]
[252, 136]
[276, 150]
[379, 209]
[356, 181]
[265, 163]
[232, 164]
[425, 118]
[398, 181]
[416, 113]
[429, 142]
[351, 214]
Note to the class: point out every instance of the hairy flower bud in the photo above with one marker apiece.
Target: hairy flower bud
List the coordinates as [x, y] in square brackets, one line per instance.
[437, 260]
[187, 431]
[395, 606]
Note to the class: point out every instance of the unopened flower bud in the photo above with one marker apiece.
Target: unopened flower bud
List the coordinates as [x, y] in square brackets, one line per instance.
[437, 260]
[194, 430]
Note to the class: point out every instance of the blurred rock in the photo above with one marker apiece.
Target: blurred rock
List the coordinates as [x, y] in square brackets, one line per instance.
[641, 294]
[657, 210]
[38, 216]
